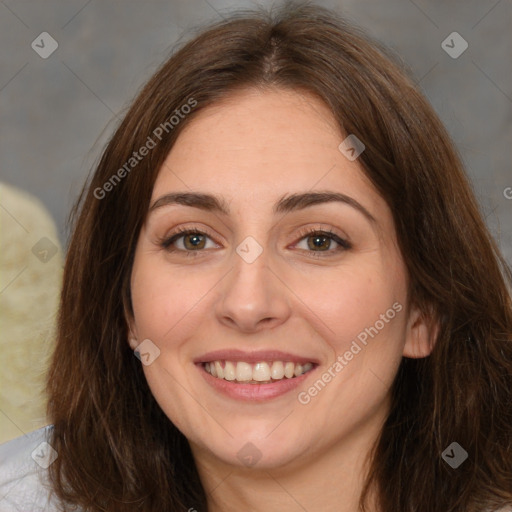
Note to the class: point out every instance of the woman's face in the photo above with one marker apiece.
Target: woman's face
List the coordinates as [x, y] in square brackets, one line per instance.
[270, 280]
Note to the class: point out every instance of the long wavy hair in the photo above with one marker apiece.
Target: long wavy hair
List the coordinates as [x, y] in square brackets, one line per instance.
[117, 449]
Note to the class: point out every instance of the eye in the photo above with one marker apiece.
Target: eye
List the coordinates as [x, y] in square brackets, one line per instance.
[192, 241]
[319, 241]
[187, 240]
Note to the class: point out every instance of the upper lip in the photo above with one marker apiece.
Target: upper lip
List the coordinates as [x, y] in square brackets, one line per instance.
[254, 356]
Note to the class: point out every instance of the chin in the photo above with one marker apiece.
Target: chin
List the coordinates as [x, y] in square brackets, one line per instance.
[250, 449]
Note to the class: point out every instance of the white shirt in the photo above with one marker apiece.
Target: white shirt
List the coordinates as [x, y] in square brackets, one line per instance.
[24, 483]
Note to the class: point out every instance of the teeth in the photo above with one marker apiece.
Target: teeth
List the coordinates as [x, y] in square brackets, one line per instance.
[277, 371]
[243, 372]
[289, 370]
[261, 372]
[219, 370]
[256, 373]
[229, 371]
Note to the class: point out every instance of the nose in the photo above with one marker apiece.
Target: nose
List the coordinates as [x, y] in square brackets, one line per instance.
[253, 297]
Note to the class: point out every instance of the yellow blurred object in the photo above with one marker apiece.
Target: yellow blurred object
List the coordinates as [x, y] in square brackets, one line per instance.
[30, 281]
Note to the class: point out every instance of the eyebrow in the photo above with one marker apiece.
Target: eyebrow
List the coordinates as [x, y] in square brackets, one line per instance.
[287, 203]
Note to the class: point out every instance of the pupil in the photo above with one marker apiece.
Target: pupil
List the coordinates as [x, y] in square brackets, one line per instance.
[195, 240]
[318, 244]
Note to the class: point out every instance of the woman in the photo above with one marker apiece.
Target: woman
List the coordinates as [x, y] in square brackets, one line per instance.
[282, 233]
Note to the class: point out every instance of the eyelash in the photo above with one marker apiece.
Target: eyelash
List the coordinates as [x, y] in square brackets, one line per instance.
[343, 244]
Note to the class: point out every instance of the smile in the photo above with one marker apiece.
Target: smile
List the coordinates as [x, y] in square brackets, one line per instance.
[263, 372]
[256, 375]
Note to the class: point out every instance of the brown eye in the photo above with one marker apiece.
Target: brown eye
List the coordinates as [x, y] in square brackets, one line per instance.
[317, 242]
[194, 241]
[187, 241]
[321, 242]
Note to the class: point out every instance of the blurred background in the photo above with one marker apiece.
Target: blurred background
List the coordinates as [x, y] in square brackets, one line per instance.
[68, 69]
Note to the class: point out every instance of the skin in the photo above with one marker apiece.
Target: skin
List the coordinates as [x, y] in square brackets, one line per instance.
[253, 149]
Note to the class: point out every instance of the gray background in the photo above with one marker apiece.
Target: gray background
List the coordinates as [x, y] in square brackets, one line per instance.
[57, 113]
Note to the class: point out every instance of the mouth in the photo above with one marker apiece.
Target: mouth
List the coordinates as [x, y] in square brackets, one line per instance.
[254, 376]
[262, 372]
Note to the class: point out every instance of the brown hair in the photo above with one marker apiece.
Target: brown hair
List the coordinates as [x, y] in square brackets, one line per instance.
[117, 449]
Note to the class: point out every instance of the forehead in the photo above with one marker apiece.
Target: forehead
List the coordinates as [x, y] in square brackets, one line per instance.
[260, 145]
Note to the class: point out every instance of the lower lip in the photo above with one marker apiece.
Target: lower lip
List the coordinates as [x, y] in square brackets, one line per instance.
[254, 392]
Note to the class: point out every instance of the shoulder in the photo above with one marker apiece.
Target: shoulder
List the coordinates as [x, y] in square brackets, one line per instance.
[24, 483]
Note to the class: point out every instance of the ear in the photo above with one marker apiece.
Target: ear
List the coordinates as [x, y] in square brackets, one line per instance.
[132, 330]
[421, 335]
[132, 340]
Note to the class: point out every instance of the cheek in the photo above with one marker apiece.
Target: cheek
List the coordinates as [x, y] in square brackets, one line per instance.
[161, 298]
[349, 301]
[362, 319]
[360, 313]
